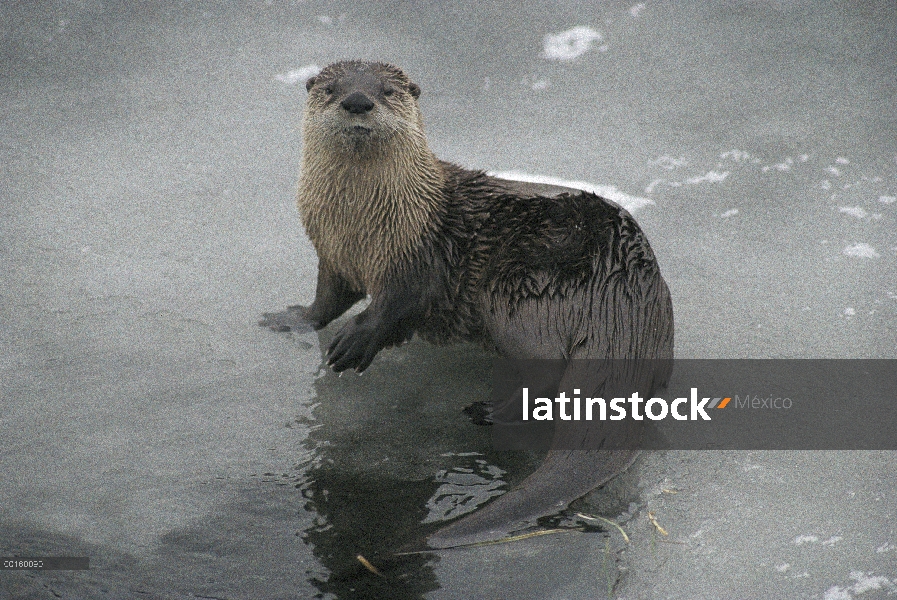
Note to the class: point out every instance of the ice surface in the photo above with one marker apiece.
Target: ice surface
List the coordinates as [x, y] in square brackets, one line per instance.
[148, 164]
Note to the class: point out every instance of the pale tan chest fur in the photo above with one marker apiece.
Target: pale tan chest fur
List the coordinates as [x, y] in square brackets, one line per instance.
[363, 216]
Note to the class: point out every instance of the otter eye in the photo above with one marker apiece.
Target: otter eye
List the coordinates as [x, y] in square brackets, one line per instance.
[388, 91]
[328, 90]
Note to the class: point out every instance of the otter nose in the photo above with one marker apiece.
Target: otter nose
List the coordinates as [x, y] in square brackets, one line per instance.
[357, 103]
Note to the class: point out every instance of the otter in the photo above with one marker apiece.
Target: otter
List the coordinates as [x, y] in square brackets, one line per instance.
[530, 271]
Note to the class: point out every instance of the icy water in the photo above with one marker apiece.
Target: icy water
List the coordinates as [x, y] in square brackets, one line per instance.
[148, 163]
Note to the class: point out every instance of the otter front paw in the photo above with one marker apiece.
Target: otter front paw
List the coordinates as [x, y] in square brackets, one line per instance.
[294, 318]
[354, 346]
[359, 341]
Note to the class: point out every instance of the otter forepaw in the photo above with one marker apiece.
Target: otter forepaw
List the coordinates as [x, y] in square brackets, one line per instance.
[294, 318]
[354, 347]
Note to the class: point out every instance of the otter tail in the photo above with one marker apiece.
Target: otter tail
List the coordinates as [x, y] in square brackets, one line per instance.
[564, 476]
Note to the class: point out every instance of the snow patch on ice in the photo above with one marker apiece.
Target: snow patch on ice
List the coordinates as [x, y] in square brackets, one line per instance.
[853, 211]
[861, 250]
[864, 582]
[739, 156]
[669, 163]
[782, 166]
[298, 75]
[627, 201]
[859, 213]
[710, 176]
[569, 44]
[805, 539]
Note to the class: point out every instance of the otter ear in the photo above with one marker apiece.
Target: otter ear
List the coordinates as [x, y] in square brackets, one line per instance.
[414, 90]
[310, 82]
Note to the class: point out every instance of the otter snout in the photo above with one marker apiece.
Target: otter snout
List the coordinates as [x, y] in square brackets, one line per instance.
[357, 103]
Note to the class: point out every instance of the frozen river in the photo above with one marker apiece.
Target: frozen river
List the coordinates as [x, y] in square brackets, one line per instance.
[148, 163]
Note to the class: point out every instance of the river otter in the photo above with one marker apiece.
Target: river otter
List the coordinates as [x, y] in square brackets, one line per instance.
[527, 270]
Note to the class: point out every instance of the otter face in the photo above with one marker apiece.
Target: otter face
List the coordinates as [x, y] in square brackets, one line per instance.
[360, 105]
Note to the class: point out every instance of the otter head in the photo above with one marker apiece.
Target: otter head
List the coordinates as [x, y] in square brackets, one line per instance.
[369, 185]
[361, 107]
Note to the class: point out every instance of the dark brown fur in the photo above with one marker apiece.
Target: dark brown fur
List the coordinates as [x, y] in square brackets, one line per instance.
[456, 255]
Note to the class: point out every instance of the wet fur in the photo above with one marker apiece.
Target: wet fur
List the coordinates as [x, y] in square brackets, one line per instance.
[455, 255]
